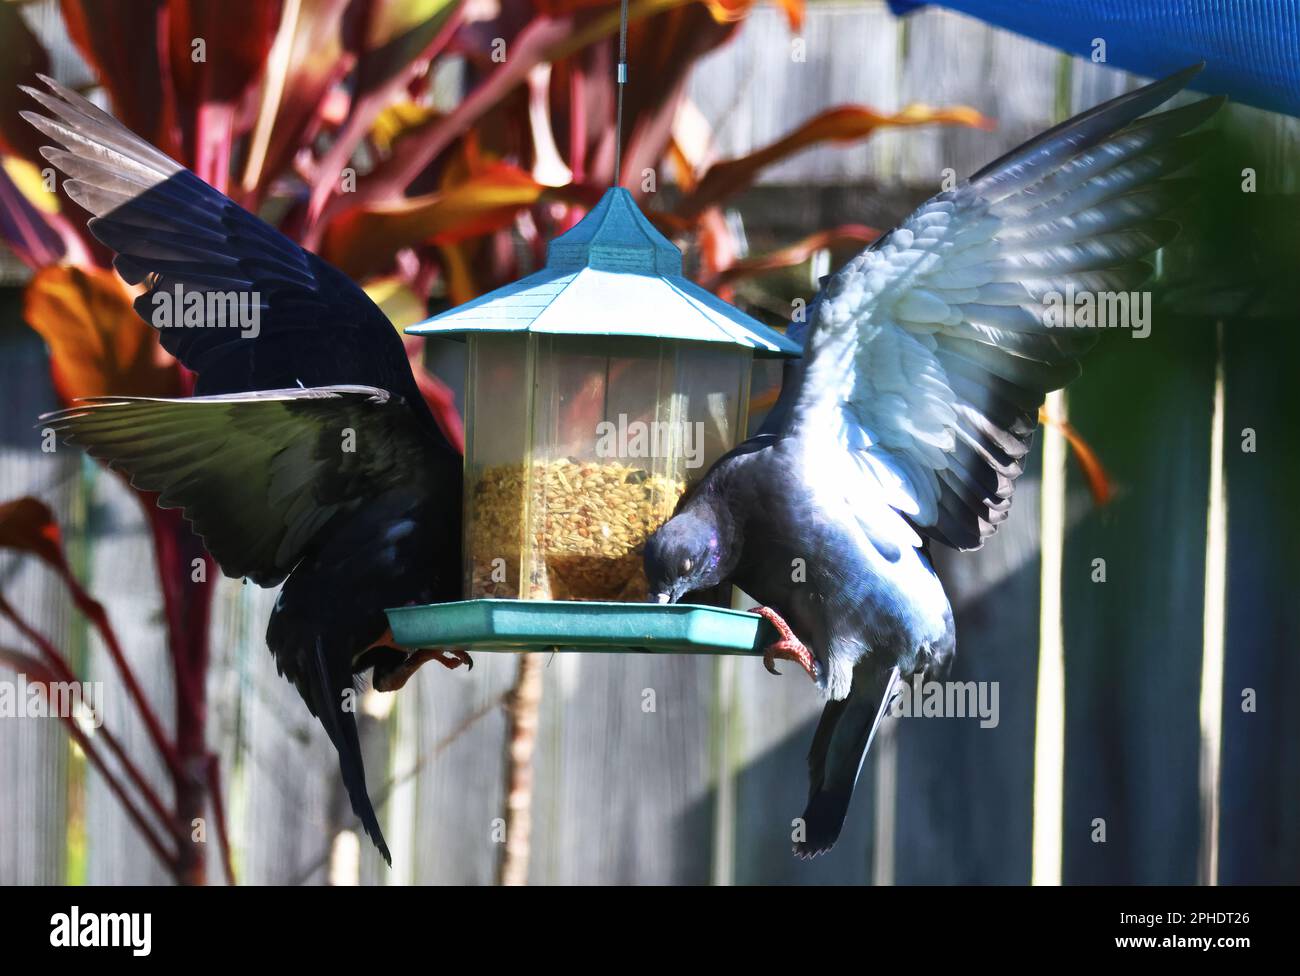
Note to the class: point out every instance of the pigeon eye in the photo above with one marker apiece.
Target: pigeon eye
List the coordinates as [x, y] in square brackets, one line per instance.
[686, 565]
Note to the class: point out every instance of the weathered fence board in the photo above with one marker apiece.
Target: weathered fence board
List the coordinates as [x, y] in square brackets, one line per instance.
[1133, 642]
[121, 574]
[965, 793]
[459, 785]
[35, 769]
[1259, 831]
[619, 786]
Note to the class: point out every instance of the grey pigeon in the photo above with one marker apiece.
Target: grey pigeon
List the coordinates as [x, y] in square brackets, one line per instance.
[908, 418]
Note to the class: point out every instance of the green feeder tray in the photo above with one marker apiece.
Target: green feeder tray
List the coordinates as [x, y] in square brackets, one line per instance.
[563, 625]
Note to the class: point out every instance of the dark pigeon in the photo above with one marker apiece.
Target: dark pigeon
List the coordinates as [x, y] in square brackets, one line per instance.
[908, 419]
[307, 456]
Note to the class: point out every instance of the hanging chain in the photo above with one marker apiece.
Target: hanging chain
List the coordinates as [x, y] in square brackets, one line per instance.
[622, 80]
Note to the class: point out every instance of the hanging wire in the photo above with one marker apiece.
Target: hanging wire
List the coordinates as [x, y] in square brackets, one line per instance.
[622, 80]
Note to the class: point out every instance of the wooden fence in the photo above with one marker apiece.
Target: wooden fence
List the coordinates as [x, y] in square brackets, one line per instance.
[703, 789]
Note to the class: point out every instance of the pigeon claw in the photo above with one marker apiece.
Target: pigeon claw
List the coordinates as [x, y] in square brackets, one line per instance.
[787, 651]
[788, 648]
[396, 677]
[453, 658]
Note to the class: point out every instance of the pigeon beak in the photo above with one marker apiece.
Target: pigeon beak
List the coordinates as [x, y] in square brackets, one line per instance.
[663, 598]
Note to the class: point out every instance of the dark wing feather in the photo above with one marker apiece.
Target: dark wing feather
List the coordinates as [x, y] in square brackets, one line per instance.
[258, 474]
[170, 229]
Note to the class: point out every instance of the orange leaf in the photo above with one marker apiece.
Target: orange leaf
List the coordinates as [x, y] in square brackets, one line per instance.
[731, 11]
[1099, 482]
[794, 10]
[728, 11]
[98, 346]
[363, 241]
[847, 123]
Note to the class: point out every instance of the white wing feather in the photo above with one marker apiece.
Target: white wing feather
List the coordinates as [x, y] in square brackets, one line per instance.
[928, 354]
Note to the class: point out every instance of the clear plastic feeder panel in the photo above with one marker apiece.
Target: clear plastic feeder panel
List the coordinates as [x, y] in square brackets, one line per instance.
[578, 447]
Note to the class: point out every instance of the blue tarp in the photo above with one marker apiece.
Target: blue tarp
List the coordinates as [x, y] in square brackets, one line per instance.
[1251, 47]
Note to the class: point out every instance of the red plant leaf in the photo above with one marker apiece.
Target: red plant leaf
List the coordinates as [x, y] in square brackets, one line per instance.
[543, 39]
[392, 41]
[209, 91]
[98, 345]
[305, 61]
[364, 241]
[847, 123]
[665, 40]
[28, 525]
[23, 59]
[236, 48]
[441, 401]
[55, 669]
[122, 41]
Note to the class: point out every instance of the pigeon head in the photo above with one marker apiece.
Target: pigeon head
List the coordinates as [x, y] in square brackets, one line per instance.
[683, 556]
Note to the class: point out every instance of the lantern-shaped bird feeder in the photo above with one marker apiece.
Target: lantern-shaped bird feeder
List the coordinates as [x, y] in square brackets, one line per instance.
[597, 391]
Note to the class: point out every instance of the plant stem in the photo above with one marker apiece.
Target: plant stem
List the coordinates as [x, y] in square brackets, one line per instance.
[522, 711]
[187, 603]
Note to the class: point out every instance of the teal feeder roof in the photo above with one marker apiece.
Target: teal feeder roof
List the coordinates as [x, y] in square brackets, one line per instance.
[611, 274]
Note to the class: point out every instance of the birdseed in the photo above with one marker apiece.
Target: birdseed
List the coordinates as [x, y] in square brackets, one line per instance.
[588, 523]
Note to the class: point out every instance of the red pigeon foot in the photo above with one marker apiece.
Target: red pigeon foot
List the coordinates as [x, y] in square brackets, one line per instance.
[394, 678]
[788, 648]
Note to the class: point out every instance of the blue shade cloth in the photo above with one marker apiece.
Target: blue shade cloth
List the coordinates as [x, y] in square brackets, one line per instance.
[1251, 47]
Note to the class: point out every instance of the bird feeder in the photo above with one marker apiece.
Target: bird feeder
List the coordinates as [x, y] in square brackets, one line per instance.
[598, 390]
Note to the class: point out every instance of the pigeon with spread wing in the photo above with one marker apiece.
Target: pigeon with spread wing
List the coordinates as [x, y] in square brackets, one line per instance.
[307, 456]
[908, 419]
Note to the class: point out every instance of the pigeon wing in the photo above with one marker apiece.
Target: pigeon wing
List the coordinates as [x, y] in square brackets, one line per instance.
[258, 474]
[170, 229]
[929, 354]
